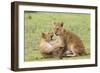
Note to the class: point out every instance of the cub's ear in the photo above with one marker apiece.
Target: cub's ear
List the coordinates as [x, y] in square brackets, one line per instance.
[61, 24]
[43, 34]
[54, 22]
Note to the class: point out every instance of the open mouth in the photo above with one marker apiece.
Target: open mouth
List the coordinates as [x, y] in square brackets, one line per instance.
[56, 34]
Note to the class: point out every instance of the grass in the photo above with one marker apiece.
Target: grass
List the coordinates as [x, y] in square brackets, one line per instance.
[38, 22]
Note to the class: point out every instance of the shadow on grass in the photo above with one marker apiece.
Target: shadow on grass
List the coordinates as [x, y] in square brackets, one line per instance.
[64, 58]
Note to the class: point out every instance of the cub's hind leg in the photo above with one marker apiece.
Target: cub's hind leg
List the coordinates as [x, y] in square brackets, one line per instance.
[72, 51]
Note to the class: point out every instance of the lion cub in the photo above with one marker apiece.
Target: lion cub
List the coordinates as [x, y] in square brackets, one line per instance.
[51, 46]
[73, 44]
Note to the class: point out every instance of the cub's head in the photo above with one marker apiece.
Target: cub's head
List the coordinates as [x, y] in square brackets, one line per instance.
[47, 36]
[58, 28]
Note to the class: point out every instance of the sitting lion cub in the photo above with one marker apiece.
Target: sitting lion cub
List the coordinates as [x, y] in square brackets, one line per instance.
[73, 43]
[51, 45]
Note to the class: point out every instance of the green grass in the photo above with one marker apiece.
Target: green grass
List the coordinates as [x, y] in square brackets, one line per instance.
[38, 22]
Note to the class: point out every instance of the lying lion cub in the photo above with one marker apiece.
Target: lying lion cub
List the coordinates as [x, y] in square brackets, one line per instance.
[51, 45]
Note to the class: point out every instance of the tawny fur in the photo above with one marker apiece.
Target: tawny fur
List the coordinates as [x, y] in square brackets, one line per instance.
[72, 42]
[50, 47]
